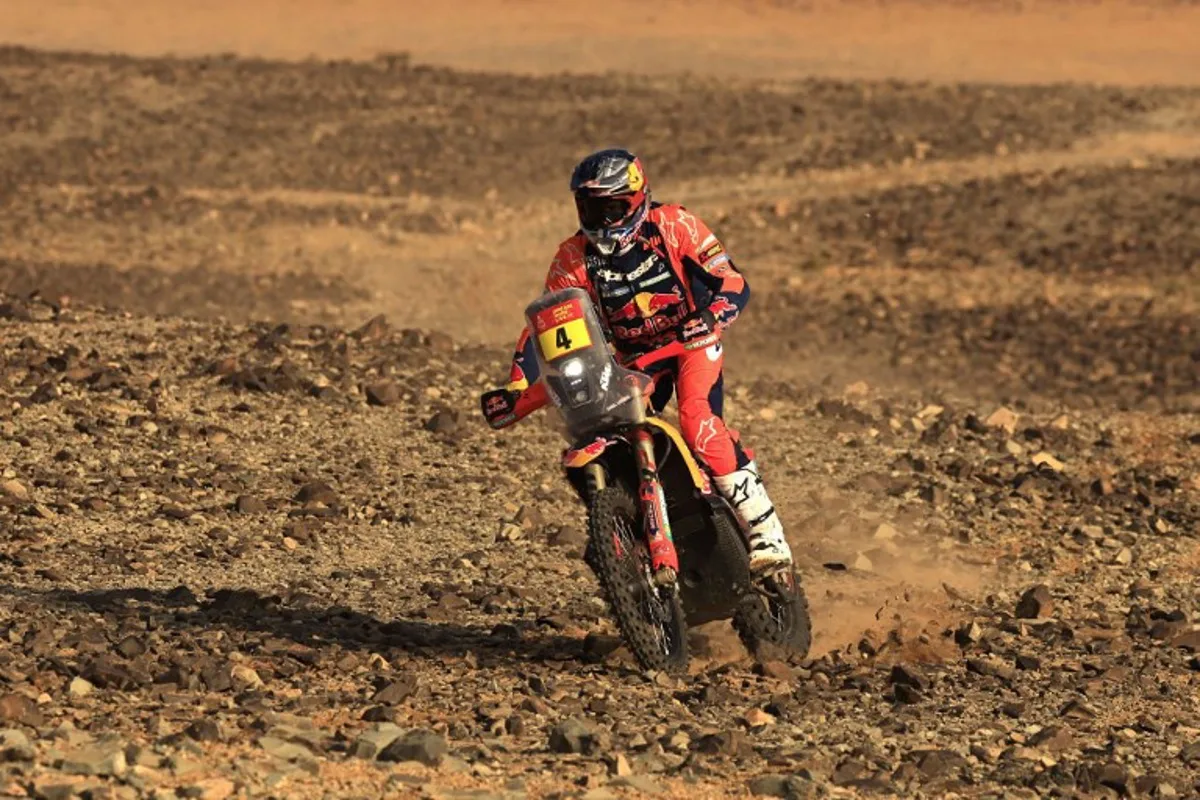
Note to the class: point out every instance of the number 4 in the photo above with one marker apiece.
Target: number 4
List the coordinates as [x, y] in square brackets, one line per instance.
[561, 340]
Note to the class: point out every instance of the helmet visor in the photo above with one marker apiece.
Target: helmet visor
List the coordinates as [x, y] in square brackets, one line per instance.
[597, 213]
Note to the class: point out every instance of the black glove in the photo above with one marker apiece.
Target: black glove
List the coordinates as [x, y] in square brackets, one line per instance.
[698, 328]
[499, 406]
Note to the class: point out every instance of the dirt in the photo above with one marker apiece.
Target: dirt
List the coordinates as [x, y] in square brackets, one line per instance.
[257, 542]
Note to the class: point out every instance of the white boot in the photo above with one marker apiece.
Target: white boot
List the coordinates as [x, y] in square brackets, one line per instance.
[744, 490]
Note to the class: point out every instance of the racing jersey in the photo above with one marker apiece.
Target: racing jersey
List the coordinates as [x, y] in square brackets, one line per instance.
[676, 267]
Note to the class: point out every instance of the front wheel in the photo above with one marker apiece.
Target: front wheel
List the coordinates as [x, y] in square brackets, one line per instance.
[650, 617]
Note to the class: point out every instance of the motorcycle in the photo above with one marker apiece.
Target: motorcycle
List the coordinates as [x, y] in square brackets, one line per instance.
[667, 548]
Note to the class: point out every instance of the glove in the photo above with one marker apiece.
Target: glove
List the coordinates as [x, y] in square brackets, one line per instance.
[499, 407]
[698, 329]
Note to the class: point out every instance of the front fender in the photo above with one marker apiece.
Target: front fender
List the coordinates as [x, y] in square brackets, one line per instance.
[579, 457]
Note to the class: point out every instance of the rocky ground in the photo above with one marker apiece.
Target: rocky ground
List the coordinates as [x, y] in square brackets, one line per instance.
[255, 541]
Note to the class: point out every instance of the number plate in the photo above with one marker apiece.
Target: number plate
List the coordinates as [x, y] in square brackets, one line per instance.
[561, 330]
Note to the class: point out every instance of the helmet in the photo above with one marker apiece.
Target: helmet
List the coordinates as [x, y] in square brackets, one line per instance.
[612, 199]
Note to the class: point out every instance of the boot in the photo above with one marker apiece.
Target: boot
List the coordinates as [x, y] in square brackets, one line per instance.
[744, 490]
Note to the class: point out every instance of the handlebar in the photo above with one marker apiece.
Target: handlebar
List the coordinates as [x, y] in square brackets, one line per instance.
[537, 395]
[672, 350]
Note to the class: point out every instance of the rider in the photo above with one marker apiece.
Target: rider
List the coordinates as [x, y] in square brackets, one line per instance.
[658, 274]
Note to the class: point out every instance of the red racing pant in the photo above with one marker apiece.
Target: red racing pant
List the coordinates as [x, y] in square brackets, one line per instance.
[698, 383]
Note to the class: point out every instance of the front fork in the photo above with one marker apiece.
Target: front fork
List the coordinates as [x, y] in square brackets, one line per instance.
[664, 561]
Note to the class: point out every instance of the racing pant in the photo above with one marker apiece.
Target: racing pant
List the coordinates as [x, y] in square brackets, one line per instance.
[697, 381]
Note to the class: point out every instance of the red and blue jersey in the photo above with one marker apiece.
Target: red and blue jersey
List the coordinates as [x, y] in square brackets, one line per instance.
[676, 267]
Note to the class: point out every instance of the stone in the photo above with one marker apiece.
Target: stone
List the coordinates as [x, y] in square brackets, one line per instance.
[443, 422]
[420, 745]
[575, 735]
[641, 783]
[769, 786]
[15, 490]
[19, 708]
[1036, 603]
[211, 789]
[1047, 461]
[1053, 739]
[384, 393]
[1003, 418]
[204, 730]
[248, 504]
[396, 692]
[885, 533]
[991, 667]
[80, 687]
[15, 746]
[371, 743]
[243, 678]
[317, 492]
[101, 758]
[728, 743]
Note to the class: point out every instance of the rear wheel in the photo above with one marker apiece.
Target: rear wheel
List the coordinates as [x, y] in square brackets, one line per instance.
[772, 618]
[773, 621]
[650, 617]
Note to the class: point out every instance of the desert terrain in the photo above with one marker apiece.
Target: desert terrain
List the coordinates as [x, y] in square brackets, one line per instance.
[258, 260]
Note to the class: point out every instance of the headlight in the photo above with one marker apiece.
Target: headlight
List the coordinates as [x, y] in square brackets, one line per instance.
[573, 368]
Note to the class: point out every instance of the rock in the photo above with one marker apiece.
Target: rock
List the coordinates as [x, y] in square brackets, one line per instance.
[968, 633]
[575, 735]
[383, 394]
[1036, 603]
[175, 512]
[757, 718]
[885, 533]
[726, 743]
[14, 490]
[371, 743]
[211, 789]
[641, 783]
[1028, 662]
[1053, 739]
[375, 328]
[204, 730]
[287, 750]
[936, 763]
[18, 708]
[317, 492]
[907, 676]
[80, 687]
[60, 787]
[1188, 640]
[906, 694]
[248, 504]
[243, 678]
[421, 745]
[1114, 776]
[991, 667]
[1003, 418]
[101, 758]
[1078, 709]
[509, 532]
[770, 786]
[396, 692]
[1047, 461]
[443, 422]
[15, 746]
[777, 670]
[1191, 754]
